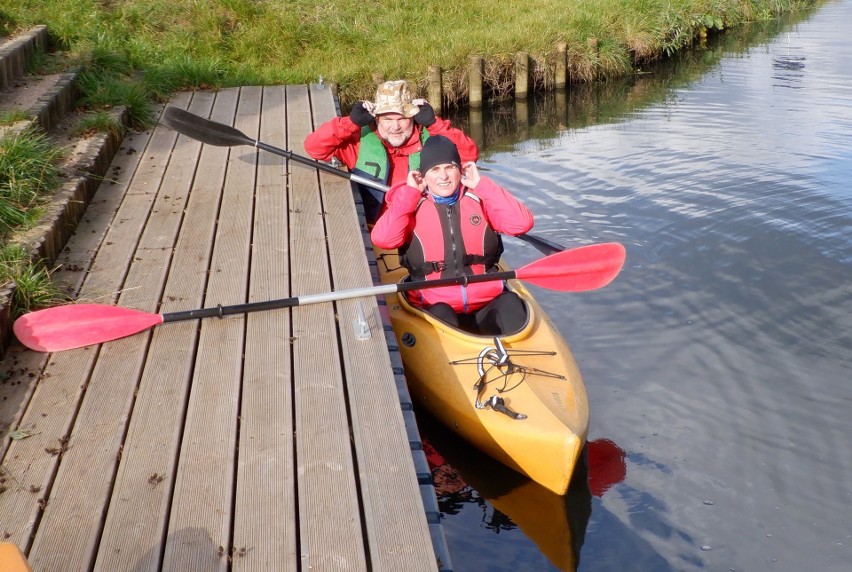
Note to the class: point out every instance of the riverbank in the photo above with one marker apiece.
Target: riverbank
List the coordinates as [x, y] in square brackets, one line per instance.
[166, 45]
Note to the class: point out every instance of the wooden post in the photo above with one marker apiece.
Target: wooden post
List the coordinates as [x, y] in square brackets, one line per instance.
[475, 80]
[561, 108]
[436, 96]
[522, 70]
[561, 79]
[522, 117]
[477, 130]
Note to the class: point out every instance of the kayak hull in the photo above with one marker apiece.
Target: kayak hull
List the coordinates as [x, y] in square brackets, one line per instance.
[450, 372]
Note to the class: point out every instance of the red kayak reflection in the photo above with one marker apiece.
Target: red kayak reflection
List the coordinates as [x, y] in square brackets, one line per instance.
[607, 466]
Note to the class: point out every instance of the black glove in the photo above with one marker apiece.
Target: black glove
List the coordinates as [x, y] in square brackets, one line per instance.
[426, 115]
[359, 114]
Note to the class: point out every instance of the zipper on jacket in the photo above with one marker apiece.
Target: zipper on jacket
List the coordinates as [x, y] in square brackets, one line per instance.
[458, 270]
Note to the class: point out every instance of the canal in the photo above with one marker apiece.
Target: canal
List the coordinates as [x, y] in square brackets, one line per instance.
[719, 363]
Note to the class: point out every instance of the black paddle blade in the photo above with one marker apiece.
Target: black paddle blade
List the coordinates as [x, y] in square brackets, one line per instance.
[204, 130]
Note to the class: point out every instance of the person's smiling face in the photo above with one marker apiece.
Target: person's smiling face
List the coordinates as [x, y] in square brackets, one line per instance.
[394, 128]
[443, 179]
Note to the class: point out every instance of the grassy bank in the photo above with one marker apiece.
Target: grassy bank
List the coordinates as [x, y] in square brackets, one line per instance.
[28, 179]
[172, 44]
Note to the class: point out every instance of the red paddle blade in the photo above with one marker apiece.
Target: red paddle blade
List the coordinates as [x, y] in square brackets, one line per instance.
[77, 325]
[576, 270]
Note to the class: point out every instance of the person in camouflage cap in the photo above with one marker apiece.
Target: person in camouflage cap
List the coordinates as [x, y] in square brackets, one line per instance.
[382, 139]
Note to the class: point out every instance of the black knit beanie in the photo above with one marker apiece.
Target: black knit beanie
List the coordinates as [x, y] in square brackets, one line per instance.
[438, 150]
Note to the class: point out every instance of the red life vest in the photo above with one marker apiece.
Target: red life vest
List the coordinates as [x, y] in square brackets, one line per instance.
[448, 241]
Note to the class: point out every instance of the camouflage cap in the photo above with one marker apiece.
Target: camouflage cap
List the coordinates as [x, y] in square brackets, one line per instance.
[395, 97]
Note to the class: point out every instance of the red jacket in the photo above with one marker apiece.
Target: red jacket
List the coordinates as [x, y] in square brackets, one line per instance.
[340, 138]
[403, 226]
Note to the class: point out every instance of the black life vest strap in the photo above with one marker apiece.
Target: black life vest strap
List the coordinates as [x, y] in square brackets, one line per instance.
[469, 260]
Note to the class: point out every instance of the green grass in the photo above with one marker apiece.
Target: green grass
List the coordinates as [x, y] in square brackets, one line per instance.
[99, 122]
[28, 176]
[33, 287]
[164, 45]
[10, 117]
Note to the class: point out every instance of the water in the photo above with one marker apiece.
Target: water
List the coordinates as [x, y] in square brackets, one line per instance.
[720, 361]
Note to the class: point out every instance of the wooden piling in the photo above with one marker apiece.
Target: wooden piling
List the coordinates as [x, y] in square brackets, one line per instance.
[561, 109]
[522, 117]
[522, 70]
[435, 88]
[561, 73]
[475, 81]
[475, 125]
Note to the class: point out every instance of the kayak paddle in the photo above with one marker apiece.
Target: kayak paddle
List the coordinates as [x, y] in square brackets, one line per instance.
[77, 325]
[221, 135]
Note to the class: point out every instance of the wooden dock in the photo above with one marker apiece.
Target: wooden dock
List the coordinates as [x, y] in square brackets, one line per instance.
[269, 441]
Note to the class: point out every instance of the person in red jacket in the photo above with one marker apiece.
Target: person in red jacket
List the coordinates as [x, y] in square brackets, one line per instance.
[382, 139]
[445, 222]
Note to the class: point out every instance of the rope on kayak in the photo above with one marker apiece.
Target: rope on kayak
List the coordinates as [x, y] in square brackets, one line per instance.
[499, 358]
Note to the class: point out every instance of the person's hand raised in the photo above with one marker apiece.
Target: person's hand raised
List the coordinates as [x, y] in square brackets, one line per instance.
[470, 175]
[426, 115]
[415, 179]
[361, 114]
[407, 197]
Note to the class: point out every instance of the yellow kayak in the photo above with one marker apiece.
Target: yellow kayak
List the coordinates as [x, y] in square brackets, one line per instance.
[519, 398]
[12, 559]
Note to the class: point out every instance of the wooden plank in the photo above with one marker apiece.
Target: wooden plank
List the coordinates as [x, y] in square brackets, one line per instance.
[70, 527]
[68, 535]
[32, 463]
[134, 530]
[265, 510]
[201, 513]
[75, 259]
[21, 371]
[396, 524]
[326, 481]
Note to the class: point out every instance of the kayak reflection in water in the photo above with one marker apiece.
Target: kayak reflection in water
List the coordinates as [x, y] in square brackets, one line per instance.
[556, 524]
[606, 466]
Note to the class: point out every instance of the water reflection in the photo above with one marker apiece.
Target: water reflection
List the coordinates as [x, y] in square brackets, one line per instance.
[467, 481]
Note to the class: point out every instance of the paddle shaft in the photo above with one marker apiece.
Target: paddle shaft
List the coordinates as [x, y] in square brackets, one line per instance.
[321, 166]
[220, 311]
[213, 133]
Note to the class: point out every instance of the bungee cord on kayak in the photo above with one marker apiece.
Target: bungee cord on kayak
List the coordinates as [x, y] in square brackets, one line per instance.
[498, 357]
